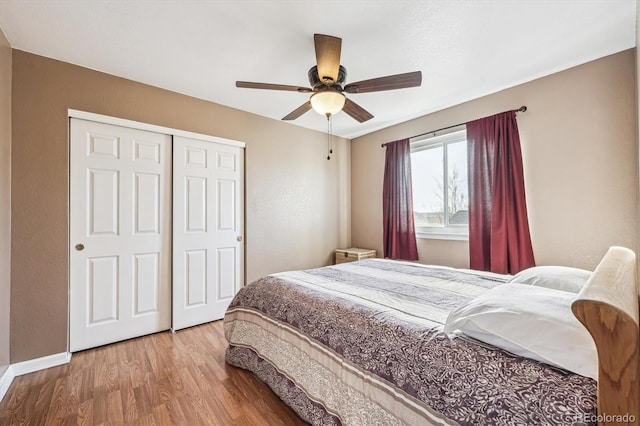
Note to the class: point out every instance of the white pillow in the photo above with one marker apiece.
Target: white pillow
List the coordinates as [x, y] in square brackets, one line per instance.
[556, 277]
[533, 322]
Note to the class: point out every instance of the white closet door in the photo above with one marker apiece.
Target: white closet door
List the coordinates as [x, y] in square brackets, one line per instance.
[208, 197]
[120, 233]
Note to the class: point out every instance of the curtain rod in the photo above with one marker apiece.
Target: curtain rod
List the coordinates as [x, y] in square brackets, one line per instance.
[521, 109]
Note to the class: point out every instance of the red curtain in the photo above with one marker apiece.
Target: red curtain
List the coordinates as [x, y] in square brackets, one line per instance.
[397, 203]
[499, 239]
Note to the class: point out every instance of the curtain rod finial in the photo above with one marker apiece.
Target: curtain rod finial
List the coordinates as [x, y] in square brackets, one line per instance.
[523, 108]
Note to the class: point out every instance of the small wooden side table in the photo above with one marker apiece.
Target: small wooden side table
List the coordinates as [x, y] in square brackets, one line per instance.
[353, 254]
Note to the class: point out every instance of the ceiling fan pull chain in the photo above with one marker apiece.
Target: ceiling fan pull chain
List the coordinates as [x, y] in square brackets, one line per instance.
[329, 136]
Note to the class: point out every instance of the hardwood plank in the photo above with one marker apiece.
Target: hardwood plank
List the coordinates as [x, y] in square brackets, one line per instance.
[23, 412]
[72, 386]
[197, 410]
[114, 408]
[45, 394]
[144, 401]
[99, 405]
[148, 420]
[85, 412]
[129, 405]
[161, 415]
[83, 359]
[107, 376]
[56, 410]
[218, 407]
[160, 379]
[86, 384]
[14, 400]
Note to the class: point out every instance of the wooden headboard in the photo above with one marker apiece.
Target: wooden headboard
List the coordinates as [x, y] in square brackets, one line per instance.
[608, 307]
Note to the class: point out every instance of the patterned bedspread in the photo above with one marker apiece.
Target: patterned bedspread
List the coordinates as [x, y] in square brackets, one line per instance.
[361, 343]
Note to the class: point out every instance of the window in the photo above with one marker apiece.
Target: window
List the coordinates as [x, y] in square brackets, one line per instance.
[440, 186]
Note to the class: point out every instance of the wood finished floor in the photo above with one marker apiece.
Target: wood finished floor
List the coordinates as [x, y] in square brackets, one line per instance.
[159, 379]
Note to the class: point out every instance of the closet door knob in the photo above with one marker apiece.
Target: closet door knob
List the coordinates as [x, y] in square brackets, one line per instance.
[239, 238]
[79, 247]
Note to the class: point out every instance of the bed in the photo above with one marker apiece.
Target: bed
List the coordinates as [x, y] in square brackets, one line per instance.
[367, 343]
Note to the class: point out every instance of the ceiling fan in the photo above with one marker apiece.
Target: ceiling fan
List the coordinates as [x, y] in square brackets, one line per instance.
[327, 80]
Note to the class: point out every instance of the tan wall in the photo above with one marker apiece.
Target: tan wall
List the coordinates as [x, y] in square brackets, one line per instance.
[5, 199]
[580, 162]
[297, 209]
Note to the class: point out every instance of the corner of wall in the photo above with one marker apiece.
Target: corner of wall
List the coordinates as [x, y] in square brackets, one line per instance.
[6, 378]
[344, 191]
[637, 115]
[6, 70]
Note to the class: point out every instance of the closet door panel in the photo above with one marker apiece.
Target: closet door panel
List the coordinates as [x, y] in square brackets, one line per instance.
[120, 233]
[207, 229]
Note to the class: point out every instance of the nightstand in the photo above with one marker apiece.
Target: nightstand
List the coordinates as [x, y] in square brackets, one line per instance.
[353, 254]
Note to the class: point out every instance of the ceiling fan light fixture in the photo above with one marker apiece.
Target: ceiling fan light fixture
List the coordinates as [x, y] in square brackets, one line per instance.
[327, 102]
[327, 79]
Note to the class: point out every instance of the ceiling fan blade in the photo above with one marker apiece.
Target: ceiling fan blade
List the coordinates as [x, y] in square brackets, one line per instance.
[251, 85]
[298, 111]
[390, 82]
[327, 57]
[356, 111]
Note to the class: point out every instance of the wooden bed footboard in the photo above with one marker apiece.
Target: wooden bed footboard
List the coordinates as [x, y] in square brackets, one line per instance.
[608, 307]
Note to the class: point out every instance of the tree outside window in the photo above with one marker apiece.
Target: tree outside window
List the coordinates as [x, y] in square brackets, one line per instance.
[439, 208]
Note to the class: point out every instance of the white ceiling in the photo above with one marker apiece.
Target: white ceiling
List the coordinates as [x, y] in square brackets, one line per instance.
[465, 49]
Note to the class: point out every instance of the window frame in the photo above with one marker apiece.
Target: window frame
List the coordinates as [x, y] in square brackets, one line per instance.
[430, 141]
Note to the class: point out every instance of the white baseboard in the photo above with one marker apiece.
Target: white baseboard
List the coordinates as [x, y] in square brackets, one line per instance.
[26, 367]
[5, 381]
